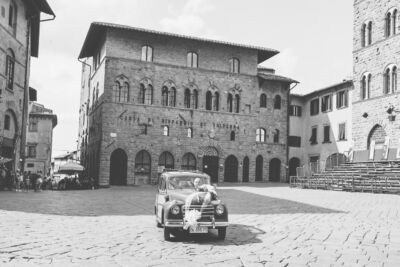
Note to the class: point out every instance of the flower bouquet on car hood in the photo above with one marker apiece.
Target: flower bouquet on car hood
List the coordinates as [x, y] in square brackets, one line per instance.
[202, 198]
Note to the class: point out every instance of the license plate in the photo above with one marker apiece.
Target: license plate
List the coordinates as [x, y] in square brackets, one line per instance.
[199, 230]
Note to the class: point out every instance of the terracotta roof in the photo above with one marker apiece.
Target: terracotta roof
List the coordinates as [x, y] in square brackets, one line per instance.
[273, 77]
[322, 90]
[98, 28]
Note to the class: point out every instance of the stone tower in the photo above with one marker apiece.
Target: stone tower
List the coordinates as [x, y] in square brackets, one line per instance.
[376, 55]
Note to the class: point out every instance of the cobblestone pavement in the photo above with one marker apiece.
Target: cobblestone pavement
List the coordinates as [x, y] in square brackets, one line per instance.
[270, 226]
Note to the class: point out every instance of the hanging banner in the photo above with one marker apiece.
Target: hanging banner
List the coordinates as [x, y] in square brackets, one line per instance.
[386, 148]
[372, 150]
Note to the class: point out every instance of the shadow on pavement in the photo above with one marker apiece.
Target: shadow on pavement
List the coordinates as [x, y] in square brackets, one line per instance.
[237, 234]
[131, 201]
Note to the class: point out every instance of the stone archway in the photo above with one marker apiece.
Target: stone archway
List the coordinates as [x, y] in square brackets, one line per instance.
[377, 134]
[231, 169]
[118, 167]
[275, 170]
[210, 162]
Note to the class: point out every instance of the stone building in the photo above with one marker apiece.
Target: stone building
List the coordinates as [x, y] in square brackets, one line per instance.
[376, 100]
[320, 127]
[19, 40]
[39, 138]
[153, 100]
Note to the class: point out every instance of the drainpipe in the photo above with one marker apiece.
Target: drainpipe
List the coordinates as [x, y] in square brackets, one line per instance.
[25, 100]
[288, 131]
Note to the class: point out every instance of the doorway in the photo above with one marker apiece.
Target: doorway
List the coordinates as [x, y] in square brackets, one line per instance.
[294, 163]
[275, 170]
[210, 166]
[246, 164]
[231, 169]
[118, 167]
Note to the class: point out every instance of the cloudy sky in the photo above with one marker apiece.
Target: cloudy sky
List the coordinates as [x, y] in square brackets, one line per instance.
[313, 36]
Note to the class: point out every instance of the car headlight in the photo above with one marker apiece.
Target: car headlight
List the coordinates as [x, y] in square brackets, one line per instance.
[175, 210]
[220, 209]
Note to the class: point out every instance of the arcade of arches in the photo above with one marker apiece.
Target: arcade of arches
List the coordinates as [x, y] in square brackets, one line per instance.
[210, 165]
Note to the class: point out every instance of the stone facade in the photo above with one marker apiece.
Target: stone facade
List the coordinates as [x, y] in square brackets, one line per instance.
[129, 127]
[15, 53]
[40, 139]
[372, 57]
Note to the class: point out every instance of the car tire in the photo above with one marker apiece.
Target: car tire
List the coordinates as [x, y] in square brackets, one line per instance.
[167, 234]
[221, 233]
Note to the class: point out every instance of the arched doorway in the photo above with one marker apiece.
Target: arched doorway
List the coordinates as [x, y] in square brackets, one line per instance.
[211, 162]
[166, 160]
[118, 167]
[275, 170]
[335, 160]
[246, 163]
[259, 168]
[294, 163]
[231, 169]
[378, 135]
[142, 167]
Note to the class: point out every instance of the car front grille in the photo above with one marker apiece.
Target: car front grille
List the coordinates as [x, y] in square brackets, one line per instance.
[206, 215]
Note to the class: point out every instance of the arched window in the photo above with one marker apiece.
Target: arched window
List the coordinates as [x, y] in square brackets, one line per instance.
[234, 65]
[166, 130]
[216, 101]
[230, 103]
[388, 28]
[148, 99]
[195, 99]
[186, 100]
[276, 136]
[277, 102]
[394, 21]
[142, 93]
[365, 86]
[394, 79]
[142, 162]
[260, 135]
[117, 92]
[167, 160]
[189, 162]
[363, 34]
[192, 61]
[237, 103]
[164, 96]
[369, 32]
[10, 63]
[263, 101]
[208, 100]
[172, 97]
[147, 53]
[125, 93]
[12, 16]
[190, 132]
[233, 136]
[386, 77]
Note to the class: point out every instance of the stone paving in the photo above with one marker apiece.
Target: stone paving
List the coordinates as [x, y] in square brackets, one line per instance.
[270, 226]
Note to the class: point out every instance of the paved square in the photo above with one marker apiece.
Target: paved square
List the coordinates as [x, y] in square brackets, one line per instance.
[270, 226]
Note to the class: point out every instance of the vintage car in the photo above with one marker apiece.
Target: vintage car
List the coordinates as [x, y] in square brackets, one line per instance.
[174, 188]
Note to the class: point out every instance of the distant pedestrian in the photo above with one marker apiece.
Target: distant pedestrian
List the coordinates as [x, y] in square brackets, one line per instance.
[38, 182]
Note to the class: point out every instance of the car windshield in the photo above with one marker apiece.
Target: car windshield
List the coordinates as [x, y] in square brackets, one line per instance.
[186, 182]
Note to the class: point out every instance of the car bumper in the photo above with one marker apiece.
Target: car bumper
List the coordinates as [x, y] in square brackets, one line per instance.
[180, 224]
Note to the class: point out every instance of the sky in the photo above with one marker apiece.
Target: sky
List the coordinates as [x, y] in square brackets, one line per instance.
[314, 37]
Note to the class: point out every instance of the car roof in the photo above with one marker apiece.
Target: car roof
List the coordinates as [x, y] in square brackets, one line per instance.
[170, 174]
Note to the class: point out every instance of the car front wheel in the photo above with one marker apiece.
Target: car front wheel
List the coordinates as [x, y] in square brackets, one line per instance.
[167, 234]
[221, 233]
